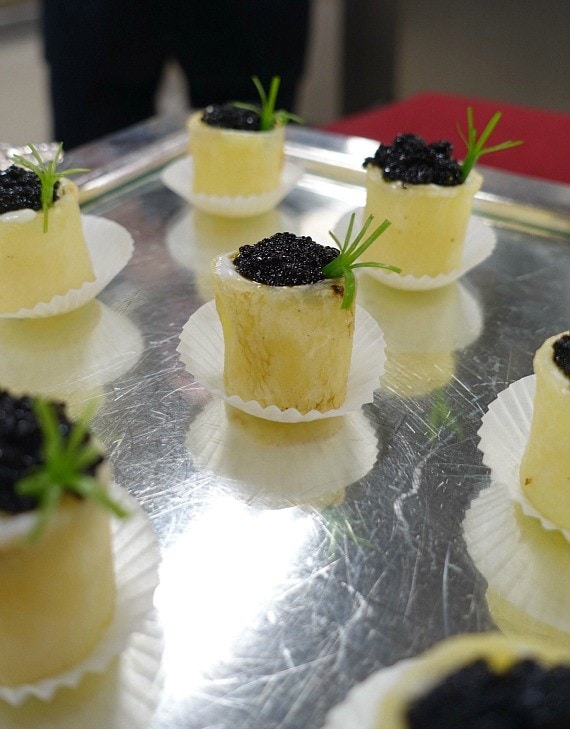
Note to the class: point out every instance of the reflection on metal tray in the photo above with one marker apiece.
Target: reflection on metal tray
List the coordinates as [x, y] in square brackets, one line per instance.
[297, 559]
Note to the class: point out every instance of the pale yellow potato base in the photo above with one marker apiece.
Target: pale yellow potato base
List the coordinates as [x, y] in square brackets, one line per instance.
[234, 162]
[545, 466]
[36, 266]
[288, 346]
[449, 656]
[56, 595]
[429, 223]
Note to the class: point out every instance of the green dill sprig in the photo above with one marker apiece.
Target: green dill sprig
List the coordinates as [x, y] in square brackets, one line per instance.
[63, 471]
[476, 145]
[48, 175]
[269, 117]
[344, 263]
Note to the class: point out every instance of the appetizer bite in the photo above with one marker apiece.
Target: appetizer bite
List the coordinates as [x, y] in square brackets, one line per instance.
[43, 251]
[57, 583]
[480, 680]
[428, 197]
[287, 307]
[237, 149]
[545, 466]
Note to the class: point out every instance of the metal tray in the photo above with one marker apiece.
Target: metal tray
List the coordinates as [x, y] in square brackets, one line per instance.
[297, 560]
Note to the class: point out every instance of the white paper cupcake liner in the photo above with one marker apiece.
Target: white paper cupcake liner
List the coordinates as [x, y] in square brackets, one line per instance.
[480, 241]
[361, 707]
[136, 556]
[201, 350]
[526, 565]
[278, 465]
[503, 436]
[126, 695]
[110, 248]
[178, 175]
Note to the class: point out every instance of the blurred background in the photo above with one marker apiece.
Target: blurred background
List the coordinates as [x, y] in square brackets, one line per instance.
[361, 53]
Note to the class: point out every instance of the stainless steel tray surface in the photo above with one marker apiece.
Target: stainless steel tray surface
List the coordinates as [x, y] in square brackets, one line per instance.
[296, 560]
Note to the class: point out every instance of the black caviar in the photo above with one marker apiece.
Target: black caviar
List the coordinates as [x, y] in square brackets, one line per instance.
[21, 448]
[284, 259]
[410, 159]
[562, 353]
[19, 189]
[526, 696]
[229, 116]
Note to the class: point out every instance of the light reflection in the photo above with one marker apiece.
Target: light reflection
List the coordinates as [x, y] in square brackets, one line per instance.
[215, 580]
[423, 330]
[70, 356]
[527, 567]
[276, 465]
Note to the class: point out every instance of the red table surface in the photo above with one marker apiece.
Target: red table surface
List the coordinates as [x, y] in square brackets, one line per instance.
[545, 152]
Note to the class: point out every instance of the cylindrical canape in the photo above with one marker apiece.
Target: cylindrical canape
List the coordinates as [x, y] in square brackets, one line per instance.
[37, 260]
[545, 465]
[288, 346]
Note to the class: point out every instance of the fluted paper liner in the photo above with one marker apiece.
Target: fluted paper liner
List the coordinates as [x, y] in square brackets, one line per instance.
[480, 241]
[523, 563]
[503, 436]
[178, 175]
[201, 350]
[136, 559]
[110, 248]
[126, 695]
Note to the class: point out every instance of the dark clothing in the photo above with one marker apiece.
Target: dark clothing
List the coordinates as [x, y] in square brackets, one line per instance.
[106, 57]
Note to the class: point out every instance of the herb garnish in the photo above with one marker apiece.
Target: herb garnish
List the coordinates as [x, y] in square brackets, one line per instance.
[344, 263]
[269, 117]
[66, 457]
[476, 147]
[47, 175]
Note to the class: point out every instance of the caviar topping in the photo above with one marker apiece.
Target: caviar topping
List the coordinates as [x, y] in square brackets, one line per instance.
[48, 176]
[284, 259]
[561, 355]
[43, 455]
[20, 189]
[411, 160]
[21, 448]
[229, 116]
[526, 696]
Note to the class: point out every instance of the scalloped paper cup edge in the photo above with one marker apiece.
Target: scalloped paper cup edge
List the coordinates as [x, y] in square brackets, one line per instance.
[177, 176]
[137, 558]
[527, 574]
[201, 349]
[503, 436]
[110, 246]
[480, 241]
